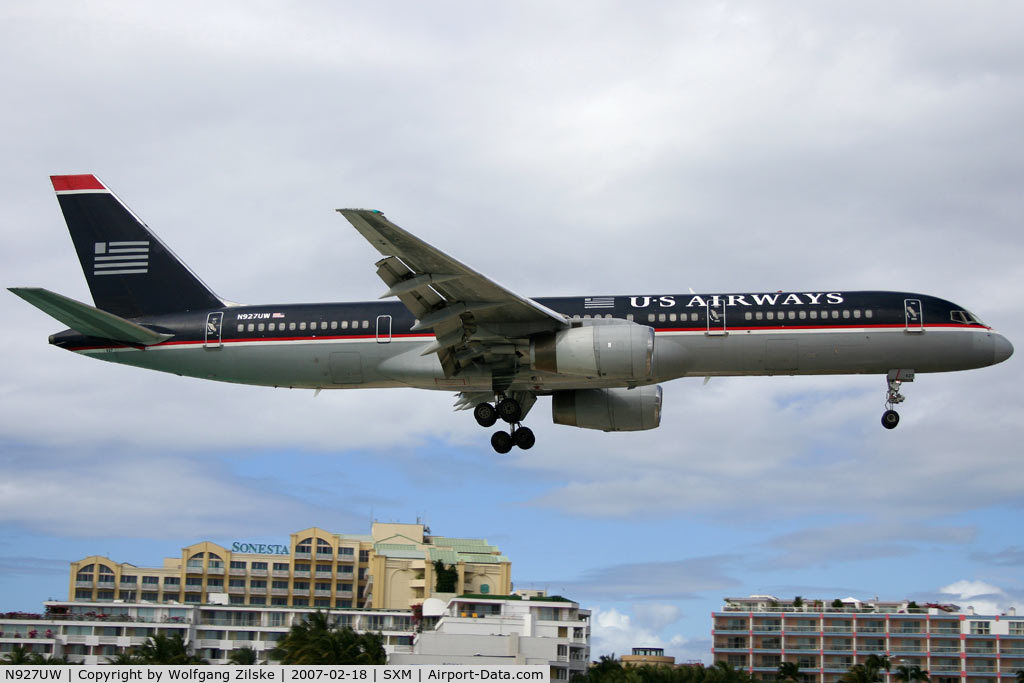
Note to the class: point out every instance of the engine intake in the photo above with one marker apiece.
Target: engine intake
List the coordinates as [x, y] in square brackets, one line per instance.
[610, 410]
[623, 351]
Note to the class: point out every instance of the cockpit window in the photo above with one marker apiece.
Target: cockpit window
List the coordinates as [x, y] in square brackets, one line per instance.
[965, 318]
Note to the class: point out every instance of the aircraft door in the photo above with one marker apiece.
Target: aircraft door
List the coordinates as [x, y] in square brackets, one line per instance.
[715, 309]
[214, 324]
[383, 329]
[913, 315]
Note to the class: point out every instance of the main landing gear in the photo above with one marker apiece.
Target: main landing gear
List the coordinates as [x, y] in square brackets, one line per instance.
[895, 378]
[509, 410]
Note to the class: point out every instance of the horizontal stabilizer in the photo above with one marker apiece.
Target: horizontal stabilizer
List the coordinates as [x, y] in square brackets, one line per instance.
[88, 320]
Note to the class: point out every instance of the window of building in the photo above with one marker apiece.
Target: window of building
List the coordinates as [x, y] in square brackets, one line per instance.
[279, 584]
[236, 599]
[362, 573]
[344, 586]
[257, 583]
[736, 642]
[215, 584]
[299, 567]
[346, 551]
[320, 586]
[104, 595]
[83, 594]
[172, 581]
[322, 602]
[280, 566]
[1017, 628]
[236, 583]
[301, 585]
[300, 602]
[150, 580]
[235, 564]
[323, 568]
[364, 555]
[193, 581]
[980, 628]
[258, 600]
[259, 565]
[278, 601]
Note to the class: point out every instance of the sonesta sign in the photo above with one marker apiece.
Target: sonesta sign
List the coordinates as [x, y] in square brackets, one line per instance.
[260, 548]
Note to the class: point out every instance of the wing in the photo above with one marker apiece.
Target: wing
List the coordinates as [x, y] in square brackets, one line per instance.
[474, 319]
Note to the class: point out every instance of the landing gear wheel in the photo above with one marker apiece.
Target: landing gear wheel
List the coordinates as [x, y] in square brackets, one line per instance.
[501, 442]
[485, 414]
[509, 410]
[524, 438]
[890, 419]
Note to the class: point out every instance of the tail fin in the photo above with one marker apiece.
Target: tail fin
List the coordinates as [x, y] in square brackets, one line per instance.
[130, 272]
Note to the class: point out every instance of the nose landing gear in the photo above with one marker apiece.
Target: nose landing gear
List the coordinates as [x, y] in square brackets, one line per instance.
[895, 378]
[509, 410]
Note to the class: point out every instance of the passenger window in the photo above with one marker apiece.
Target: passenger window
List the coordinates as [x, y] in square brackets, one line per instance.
[302, 326]
[671, 317]
[814, 315]
[792, 315]
[251, 327]
[629, 317]
[770, 315]
[608, 315]
[291, 326]
[323, 325]
[334, 324]
[846, 315]
[272, 326]
[835, 314]
[355, 324]
[661, 317]
[344, 324]
[693, 317]
[748, 315]
[867, 313]
[803, 315]
[650, 317]
[261, 327]
[856, 313]
[759, 315]
[366, 324]
[241, 327]
[587, 316]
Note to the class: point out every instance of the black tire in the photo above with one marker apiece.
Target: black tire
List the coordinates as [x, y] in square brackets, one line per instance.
[501, 442]
[509, 410]
[890, 419]
[524, 438]
[485, 414]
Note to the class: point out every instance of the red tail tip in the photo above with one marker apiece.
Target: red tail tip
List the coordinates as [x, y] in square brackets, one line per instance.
[65, 183]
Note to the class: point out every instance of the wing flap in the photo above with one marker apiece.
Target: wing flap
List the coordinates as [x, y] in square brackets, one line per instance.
[87, 319]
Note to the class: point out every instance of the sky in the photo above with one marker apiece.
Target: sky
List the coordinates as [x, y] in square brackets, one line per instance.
[571, 148]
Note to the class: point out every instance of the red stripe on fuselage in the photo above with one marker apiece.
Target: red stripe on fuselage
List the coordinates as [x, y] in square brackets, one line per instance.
[68, 183]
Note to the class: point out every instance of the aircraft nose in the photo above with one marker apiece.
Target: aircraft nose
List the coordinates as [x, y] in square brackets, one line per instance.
[1002, 348]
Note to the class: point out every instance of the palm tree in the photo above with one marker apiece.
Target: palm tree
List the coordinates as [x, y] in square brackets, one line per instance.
[911, 674]
[1020, 675]
[19, 655]
[877, 662]
[861, 673]
[244, 656]
[789, 671]
[723, 672]
[161, 649]
[315, 640]
[129, 657]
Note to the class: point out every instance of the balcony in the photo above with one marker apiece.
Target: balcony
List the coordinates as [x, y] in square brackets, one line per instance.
[870, 629]
[83, 584]
[236, 590]
[303, 556]
[128, 586]
[981, 668]
[343, 594]
[257, 572]
[215, 571]
[954, 630]
[324, 575]
[981, 650]
[300, 591]
[948, 649]
[802, 629]
[257, 591]
[279, 591]
[326, 555]
[299, 574]
[280, 573]
[944, 668]
[235, 571]
[871, 648]
[839, 629]
[319, 594]
[1011, 650]
[741, 629]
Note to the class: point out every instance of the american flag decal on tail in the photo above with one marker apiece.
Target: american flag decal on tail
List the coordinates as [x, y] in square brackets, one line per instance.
[599, 302]
[121, 258]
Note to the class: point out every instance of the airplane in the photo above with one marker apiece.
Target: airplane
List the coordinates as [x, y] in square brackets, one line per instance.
[601, 359]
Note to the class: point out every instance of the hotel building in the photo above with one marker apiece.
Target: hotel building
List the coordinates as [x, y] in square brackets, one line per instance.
[826, 638]
[390, 568]
[473, 629]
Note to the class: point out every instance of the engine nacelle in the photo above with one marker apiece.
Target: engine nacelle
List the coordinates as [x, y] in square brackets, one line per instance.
[610, 410]
[621, 351]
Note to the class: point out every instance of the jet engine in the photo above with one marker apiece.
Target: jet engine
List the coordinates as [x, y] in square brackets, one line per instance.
[612, 351]
[610, 410]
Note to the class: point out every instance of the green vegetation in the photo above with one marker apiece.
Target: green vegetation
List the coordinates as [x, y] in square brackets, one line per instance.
[316, 640]
[446, 578]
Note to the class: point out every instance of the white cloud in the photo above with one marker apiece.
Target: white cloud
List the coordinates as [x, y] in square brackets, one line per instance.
[616, 632]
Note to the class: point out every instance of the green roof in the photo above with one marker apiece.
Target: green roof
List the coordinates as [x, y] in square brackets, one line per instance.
[446, 540]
